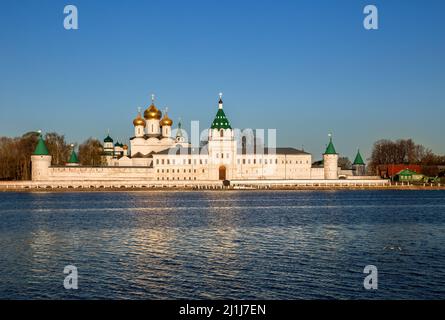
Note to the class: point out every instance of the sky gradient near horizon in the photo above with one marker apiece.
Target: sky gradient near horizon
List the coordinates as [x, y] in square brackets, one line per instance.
[306, 68]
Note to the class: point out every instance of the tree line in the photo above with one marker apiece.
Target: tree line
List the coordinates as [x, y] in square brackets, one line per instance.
[404, 151]
[15, 153]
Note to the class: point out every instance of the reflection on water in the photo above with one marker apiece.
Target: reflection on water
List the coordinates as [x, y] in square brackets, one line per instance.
[209, 245]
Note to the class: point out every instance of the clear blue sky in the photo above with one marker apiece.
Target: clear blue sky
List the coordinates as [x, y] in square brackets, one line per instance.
[303, 67]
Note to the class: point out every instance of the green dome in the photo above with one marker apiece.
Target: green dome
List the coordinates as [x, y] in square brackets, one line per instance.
[330, 149]
[41, 149]
[108, 139]
[73, 158]
[358, 159]
[221, 121]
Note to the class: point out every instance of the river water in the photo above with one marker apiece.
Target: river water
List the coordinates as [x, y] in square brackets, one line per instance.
[223, 244]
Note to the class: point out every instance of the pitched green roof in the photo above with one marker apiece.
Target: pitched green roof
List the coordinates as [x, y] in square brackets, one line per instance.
[73, 158]
[221, 121]
[108, 139]
[358, 159]
[407, 172]
[41, 149]
[330, 149]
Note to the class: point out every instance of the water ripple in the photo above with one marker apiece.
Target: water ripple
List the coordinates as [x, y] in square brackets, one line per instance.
[216, 245]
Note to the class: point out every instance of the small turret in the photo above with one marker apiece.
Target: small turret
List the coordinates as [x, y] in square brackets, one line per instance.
[108, 145]
[330, 161]
[73, 160]
[41, 161]
[118, 149]
[359, 166]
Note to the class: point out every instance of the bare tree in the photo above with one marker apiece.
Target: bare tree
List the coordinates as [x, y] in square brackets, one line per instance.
[402, 151]
[91, 153]
[344, 163]
[15, 156]
[58, 148]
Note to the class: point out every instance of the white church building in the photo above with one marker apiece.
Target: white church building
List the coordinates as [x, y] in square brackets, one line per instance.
[156, 158]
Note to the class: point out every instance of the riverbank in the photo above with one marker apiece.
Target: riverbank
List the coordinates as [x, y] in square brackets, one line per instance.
[222, 188]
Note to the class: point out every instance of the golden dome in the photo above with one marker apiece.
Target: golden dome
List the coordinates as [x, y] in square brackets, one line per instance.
[166, 121]
[138, 121]
[125, 147]
[152, 113]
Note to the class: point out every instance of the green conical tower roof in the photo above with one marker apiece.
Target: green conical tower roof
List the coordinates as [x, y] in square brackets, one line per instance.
[108, 139]
[358, 159]
[330, 149]
[221, 121]
[73, 157]
[41, 149]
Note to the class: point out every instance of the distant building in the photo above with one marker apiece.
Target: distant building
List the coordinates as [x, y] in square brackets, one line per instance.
[388, 171]
[408, 175]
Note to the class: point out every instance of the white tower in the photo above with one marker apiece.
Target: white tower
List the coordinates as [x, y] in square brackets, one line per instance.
[41, 161]
[166, 125]
[152, 116]
[221, 146]
[330, 161]
[139, 125]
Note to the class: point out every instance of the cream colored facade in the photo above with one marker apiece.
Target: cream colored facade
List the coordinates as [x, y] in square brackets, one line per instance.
[155, 156]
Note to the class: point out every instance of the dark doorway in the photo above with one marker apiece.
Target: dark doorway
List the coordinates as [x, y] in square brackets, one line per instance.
[222, 173]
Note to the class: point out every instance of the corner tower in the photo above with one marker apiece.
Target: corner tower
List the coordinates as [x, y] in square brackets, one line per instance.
[41, 161]
[330, 160]
[359, 166]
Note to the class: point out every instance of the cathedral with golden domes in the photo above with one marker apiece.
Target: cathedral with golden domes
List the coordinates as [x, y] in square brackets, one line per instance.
[157, 157]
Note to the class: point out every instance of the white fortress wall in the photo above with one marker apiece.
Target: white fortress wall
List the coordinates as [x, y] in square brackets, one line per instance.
[317, 173]
[105, 173]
